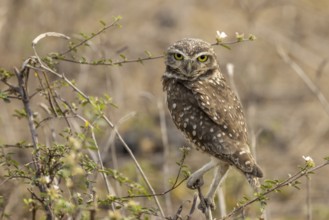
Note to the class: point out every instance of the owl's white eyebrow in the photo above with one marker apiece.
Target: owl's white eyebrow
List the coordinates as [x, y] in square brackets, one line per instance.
[200, 54]
[178, 51]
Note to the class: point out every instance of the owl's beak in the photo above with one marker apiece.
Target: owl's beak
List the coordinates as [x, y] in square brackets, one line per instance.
[189, 67]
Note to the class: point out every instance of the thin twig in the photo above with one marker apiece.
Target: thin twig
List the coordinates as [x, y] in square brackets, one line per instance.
[174, 186]
[195, 198]
[91, 37]
[157, 194]
[230, 73]
[108, 186]
[301, 73]
[110, 144]
[164, 138]
[138, 60]
[178, 213]
[224, 44]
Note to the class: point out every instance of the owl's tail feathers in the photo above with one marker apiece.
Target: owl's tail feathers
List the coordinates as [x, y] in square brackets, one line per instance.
[257, 171]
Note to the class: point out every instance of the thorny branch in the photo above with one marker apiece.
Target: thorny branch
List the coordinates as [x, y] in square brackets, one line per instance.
[22, 77]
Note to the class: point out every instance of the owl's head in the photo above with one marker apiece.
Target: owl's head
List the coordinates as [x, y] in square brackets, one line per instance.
[189, 59]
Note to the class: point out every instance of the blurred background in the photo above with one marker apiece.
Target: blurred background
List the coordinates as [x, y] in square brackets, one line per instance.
[285, 118]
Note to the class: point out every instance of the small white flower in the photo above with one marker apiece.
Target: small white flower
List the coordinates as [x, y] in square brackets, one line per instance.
[44, 179]
[47, 179]
[239, 37]
[221, 35]
[308, 158]
[309, 161]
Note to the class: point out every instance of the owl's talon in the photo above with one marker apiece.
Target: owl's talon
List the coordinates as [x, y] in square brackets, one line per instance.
[195, 182]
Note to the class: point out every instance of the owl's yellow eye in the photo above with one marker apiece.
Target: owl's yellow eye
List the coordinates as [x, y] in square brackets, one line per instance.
[178, 56]
[203, 58]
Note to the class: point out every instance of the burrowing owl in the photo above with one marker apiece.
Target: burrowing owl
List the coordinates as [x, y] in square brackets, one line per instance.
[207, 111]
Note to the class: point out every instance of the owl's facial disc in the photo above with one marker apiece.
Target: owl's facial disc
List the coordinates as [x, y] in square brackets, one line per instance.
[189, 66]
[189, 59]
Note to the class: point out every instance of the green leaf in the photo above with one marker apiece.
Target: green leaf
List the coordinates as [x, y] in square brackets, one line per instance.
[4, 97]
[117, 18]
[20, 113]
[252, 37]
[274, 182]
[102, 22]
[148, 53]
[82, 60]
[4, 74]
[85, 36]
[123, 57]
[239, 37]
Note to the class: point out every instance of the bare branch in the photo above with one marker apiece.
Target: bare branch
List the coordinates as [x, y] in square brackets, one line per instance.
[48, 34]
[301, 73]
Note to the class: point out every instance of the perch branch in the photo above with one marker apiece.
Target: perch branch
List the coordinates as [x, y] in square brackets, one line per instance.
[289, 181]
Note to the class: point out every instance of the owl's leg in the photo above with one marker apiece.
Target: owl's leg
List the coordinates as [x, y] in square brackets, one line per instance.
[196, 178]
[220, 174]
